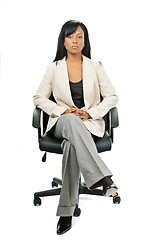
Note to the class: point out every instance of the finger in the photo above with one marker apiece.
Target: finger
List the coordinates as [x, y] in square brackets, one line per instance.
[75, 114]
[73, 109]
[81, 112]
[78, 110]
[82, 117]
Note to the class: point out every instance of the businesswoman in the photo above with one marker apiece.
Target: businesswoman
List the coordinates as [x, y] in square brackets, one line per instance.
[76, 83]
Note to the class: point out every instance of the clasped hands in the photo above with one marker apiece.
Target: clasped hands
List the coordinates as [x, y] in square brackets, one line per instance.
[83, 115]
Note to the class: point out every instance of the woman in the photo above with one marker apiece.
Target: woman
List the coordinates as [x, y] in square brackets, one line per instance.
[76, 83]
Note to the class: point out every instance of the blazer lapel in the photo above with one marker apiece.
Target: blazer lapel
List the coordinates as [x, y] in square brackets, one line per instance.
[87, 77]
[64, 81]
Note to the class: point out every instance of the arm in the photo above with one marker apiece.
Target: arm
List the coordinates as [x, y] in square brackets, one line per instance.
[41, 98]
[110, 98]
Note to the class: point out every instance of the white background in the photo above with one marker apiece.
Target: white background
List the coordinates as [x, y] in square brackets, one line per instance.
[124, 36]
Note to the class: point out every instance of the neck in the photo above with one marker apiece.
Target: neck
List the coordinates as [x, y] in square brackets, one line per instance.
[74, 58]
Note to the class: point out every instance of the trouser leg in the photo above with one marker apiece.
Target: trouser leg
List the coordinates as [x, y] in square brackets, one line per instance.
[69, 196]
[78, 147]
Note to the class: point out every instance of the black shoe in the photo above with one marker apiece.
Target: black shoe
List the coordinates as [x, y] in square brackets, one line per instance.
[64, 224]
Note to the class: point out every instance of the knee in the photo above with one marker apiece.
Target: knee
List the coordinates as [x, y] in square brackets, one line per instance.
[71, 118]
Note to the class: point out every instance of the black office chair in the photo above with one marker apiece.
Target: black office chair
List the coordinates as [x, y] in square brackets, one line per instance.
[53, 145]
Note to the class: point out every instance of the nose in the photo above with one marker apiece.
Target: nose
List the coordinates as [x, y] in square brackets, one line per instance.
[74, 39]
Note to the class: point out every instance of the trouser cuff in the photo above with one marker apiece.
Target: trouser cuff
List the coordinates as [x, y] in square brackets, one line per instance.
[95, 177]
[65, 211]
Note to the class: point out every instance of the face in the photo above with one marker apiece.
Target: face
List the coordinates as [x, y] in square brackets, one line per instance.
[74, 43]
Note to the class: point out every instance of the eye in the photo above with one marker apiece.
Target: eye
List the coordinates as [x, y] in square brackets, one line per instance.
[79, 36]
[69, 36]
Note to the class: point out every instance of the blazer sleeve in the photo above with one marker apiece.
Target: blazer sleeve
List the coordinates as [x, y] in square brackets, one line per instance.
[110, 98]
[41, 98]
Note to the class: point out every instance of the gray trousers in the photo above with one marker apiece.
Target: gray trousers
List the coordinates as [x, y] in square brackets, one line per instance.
[79, 156]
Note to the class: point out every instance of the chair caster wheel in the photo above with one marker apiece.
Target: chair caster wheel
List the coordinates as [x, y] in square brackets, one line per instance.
[116, 199]
[37, 201]
[54, 184]
[83, 184]
[77, 212]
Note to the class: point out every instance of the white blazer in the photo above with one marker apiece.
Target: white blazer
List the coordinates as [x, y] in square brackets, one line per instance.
[95, 82]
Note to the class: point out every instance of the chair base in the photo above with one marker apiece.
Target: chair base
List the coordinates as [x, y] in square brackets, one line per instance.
[56, 191]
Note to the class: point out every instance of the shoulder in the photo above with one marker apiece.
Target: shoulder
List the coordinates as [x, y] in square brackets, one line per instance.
[52, 65]
[97, 65]
[92, 61]
[57, 63]
[50, 68]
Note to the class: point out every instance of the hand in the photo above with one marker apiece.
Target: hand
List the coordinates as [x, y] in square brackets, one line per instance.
[83, 115]
[67, 111]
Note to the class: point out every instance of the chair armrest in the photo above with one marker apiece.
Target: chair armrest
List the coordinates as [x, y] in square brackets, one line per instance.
[111, 119]
[36, 118]
[113, 116]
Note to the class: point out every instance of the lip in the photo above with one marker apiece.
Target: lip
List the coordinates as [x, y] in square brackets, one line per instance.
[74, 46]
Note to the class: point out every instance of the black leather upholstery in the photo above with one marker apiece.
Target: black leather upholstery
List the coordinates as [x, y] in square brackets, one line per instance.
[53, 144]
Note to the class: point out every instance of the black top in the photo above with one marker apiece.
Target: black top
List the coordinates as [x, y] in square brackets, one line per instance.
[77, 93]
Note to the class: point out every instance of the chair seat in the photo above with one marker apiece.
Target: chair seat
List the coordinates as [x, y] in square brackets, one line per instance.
[53, 145]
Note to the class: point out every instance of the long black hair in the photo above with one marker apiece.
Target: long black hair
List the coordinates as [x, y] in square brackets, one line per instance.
[67, 29]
